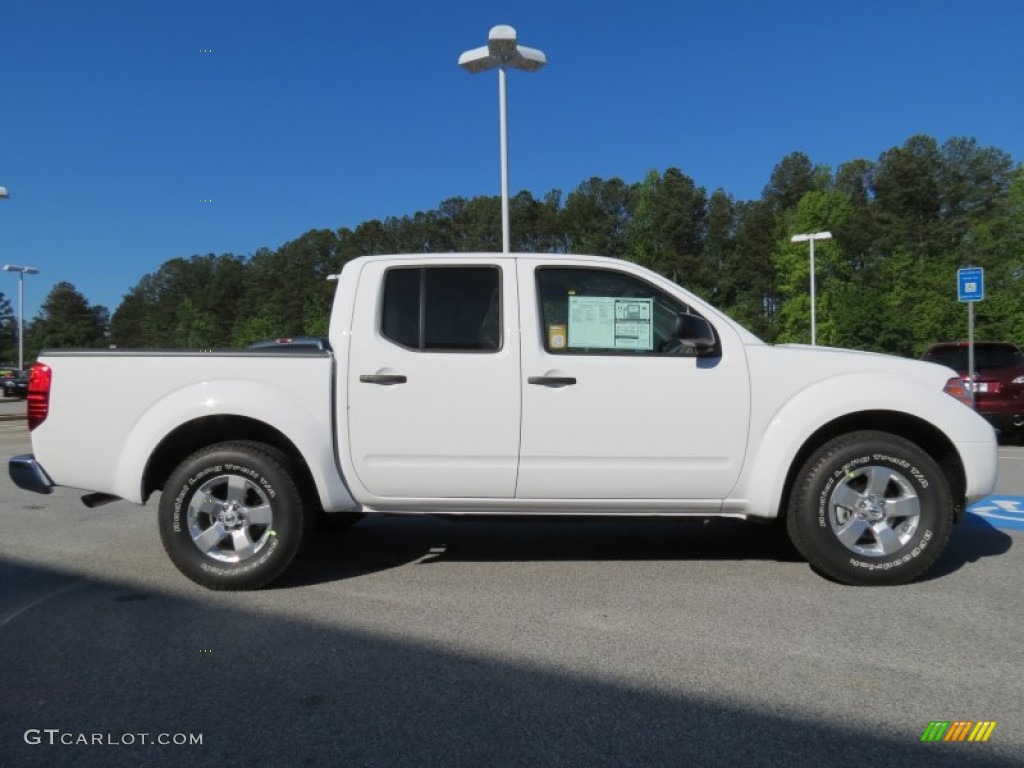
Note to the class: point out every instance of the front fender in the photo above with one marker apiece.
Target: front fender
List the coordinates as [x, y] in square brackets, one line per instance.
[776, 442]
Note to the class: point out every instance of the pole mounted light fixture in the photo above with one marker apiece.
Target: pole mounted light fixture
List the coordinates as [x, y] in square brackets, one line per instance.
[502, 52]
[810, 238]
[22, 271]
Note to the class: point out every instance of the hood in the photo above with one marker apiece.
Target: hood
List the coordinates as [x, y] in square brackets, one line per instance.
[805, 364]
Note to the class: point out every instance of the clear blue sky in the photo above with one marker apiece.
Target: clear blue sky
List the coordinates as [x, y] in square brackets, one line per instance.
[116, 125]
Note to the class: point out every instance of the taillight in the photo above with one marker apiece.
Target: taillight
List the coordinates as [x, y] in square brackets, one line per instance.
[39, 379]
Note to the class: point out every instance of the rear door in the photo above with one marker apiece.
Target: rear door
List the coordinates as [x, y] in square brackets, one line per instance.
[433, 379]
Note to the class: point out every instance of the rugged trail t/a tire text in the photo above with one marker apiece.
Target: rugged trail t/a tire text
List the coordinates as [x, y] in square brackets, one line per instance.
[231, 517]
[870, 508]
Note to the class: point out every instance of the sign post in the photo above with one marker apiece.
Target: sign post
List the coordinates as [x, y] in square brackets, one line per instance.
[970, 285]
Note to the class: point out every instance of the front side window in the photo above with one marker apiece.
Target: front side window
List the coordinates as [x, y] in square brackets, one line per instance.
[443, 308]
[600, 311]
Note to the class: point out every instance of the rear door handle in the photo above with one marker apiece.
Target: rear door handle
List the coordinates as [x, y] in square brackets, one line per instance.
[383, 378]
[552, 381]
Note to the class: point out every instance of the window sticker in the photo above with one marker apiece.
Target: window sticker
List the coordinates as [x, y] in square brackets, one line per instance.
[556, 336]
[609, 322]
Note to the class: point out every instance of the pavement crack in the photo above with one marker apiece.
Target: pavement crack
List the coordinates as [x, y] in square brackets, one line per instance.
[9, 617]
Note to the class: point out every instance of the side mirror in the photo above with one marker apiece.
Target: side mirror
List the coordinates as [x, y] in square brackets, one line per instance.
[695, 332]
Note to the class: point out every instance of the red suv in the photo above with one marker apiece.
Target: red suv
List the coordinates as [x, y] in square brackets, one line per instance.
[998, 379]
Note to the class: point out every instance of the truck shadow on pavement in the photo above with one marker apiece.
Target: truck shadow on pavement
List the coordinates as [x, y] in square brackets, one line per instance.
[96, 656]
[971, 541]
[391, 541]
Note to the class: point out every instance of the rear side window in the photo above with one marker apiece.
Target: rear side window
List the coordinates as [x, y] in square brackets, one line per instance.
[434, 309]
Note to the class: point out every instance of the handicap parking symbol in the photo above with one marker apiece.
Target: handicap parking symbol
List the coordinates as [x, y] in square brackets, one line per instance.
[999, 511]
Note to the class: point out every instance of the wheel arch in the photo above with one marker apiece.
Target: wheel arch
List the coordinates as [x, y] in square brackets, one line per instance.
[198, 433]
[925, 435]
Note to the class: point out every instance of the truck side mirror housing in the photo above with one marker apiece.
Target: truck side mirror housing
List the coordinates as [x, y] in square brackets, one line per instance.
[696, 332]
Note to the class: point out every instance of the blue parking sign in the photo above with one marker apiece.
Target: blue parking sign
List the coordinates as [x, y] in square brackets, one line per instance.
[970, 284]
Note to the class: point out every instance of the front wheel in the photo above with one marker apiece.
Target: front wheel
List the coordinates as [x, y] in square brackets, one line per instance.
[231, 516]
[870, 508]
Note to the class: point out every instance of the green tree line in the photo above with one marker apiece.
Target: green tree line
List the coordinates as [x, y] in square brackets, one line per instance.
[902, 225]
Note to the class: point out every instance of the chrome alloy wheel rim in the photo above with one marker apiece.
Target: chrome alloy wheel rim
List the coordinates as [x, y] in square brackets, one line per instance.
[230, 519]
[874, 511]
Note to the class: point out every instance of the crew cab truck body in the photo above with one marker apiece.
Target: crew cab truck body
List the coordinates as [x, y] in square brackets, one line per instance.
[515, 384]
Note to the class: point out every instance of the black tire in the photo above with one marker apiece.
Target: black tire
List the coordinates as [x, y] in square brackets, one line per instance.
[231, 517]
[870, 509]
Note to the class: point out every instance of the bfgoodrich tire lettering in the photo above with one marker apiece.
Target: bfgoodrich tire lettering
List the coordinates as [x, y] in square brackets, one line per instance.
[231, 517]
[870, 508]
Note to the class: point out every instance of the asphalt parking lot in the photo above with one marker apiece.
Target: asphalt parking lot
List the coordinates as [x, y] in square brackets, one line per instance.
[434, 642]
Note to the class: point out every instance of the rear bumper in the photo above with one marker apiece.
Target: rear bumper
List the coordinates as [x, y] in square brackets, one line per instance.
[29, 474]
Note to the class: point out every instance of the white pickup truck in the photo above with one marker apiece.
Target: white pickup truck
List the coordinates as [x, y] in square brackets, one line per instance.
[518, 384]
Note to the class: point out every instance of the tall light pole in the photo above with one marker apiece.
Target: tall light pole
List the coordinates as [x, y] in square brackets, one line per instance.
[502, 52]
[805, 239]
[22, 271]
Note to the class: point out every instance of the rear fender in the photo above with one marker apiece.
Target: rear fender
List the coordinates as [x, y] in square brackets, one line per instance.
[309, 431]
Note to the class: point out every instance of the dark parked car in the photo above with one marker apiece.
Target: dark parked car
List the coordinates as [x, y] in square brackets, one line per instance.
[292, 344]
[998, 380]
[14, 383]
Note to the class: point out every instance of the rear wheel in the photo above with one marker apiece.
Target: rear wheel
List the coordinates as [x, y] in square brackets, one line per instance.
[870, 508]
[231, 516]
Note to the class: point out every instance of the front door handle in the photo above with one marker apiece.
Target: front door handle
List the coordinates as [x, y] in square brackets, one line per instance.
[383, 378]
[552, 381]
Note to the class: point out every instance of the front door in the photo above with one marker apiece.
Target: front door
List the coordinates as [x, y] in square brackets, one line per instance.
[614, 406]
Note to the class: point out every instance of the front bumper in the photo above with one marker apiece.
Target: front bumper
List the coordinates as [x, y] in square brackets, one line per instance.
[29, 474]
